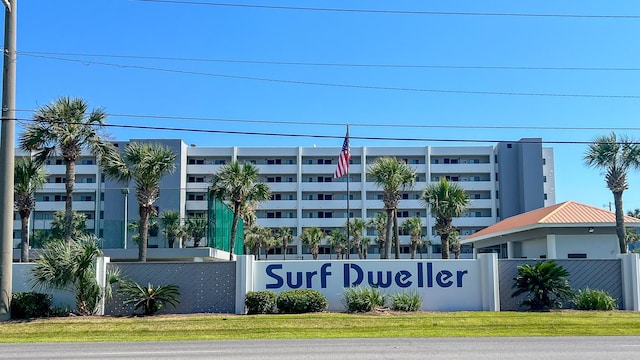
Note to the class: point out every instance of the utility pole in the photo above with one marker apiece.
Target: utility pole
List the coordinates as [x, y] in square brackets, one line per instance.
[7, 153]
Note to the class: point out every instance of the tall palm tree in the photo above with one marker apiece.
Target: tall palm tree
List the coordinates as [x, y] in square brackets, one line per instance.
[393, 176]
[312, 237]
[338, 241]
[253, 238]
[172, 230]
[28, 177]
[447, 200]
[285, 236]
[356, 229]
[65, 127]
[145, 164]
[414, 227]
[380, 224]
[196, 228]
[270, 242]
[238, 186]
[616, 156]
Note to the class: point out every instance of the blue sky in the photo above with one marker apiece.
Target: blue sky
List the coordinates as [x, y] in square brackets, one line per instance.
[392, 98]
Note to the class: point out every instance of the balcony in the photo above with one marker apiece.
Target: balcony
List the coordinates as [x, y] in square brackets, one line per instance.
[279, 169]
[278, 222]
[196, 205]
[323, 223]
[279, 205]
[330, 204]
[330, 186]
[462, 168]
[207, 169]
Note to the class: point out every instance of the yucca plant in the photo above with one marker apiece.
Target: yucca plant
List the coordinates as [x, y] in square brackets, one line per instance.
[406, 301]
[592, 299]
[150, 299]
[362, 299]
[545, 282]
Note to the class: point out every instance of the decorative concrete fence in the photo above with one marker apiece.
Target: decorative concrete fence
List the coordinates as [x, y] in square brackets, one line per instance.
[482, 284]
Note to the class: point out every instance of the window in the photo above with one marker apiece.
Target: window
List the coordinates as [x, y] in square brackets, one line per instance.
[509, 146]
[320, 161]
[60, 198]
[86, 198]
[328, 179]
[544, 179]
[274, 161]
[454, 161]
[545, 196]
[320, 179]
[544, 161]
[577, 256]
[219, 162]
[327, 161]
[276, 196]
[101, 214]
[446, 160]
[405, 196]
[476, 196]
[58, 161]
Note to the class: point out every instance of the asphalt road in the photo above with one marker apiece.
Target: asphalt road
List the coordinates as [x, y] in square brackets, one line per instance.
[520, 348]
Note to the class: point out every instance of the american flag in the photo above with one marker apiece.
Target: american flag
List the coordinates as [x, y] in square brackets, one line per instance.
[343, 160]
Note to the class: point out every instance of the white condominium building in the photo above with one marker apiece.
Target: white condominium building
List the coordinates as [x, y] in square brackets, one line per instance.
[503, 180]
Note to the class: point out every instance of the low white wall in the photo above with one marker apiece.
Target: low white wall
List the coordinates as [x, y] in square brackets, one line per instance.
[21, 283]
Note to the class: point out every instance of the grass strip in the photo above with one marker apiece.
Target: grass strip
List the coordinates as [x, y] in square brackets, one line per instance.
[324, 325]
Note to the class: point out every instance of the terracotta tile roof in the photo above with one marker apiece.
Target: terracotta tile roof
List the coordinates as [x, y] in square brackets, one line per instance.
[568, 212]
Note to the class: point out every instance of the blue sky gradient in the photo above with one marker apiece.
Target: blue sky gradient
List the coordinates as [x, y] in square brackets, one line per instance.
[377, 102]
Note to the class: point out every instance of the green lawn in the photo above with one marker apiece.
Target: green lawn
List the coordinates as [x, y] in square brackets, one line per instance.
[325, 325]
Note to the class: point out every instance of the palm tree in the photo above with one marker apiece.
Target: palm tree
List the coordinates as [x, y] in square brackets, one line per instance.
[238, 185]
[616, 156]
[312, 237]
[196, 228]
[447, 200]
[171, 227]
[631, 235]
[380, 224]
[285, 236]
[145, 164]
[253, 237]
[270, 242]
[546, 284]
[454, 244]
[414, 227]
[356, 228]
[338, 241]
[64, 127]
[28, 177]
[393, 176]
[78, 224]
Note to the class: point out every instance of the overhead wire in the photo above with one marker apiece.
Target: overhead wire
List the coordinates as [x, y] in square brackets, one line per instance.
[359, 124]
[328, 64]
[322, 136]
[399, 12]
[337, 85]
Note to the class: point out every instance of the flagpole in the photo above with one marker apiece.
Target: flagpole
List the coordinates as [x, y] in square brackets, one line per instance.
[348, 211]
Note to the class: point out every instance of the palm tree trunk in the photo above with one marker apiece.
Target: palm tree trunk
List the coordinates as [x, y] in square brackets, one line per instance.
[24, 237]
[444, 244]
[396, 233]
[143, 232]
[387, 243]
[68, 206]
[617, 198]
[234, 227]
[414, 249]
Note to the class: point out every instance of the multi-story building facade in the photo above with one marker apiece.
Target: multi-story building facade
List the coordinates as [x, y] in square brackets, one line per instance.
[502, 180]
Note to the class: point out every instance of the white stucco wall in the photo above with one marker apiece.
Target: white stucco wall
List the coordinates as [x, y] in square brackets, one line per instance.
[20, 283]
[532, 249]
[596, 246]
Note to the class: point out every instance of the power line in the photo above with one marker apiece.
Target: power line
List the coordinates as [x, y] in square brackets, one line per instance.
[320, 136]
[321, 64]
[385, 125]
[398, 12]
[336, 85]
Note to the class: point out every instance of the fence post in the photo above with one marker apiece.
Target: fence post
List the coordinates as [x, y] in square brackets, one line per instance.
[489, 280]
[630, 264]
[101, 278]
[244, 280]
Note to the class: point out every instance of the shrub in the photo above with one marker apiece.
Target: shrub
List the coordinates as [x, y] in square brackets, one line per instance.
[301, 301]
[406, 301]
[546, 284]
[590, 299]
[26, 305]
[361, 299]
[150, 299]
[261, 302]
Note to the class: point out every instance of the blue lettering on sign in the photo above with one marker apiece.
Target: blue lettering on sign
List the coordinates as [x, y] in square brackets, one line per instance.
[301, 279]
[355, 275]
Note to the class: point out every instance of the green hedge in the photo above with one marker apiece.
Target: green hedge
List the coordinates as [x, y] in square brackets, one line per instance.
[26, 305]
[261, 302]
[301, 301]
